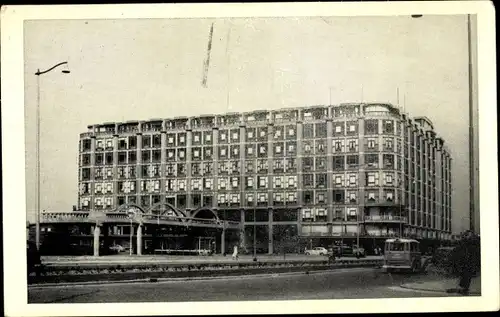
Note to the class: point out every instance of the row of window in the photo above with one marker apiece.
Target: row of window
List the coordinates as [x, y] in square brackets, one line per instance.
[278, 132]
[261, 182]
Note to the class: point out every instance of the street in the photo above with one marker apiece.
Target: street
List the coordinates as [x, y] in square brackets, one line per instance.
[358, 283]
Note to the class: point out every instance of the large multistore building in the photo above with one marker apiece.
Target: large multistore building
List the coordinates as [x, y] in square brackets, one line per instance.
[310, 175]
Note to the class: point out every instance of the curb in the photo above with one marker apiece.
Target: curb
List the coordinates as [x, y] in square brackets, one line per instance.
[407, 286]
[182, 279]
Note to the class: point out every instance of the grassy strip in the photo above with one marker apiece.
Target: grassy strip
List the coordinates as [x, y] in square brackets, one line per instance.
[154, 272]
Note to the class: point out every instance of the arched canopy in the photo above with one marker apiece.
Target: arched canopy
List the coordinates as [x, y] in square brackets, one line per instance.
[204, 213]
[127, 207]
[169, 209]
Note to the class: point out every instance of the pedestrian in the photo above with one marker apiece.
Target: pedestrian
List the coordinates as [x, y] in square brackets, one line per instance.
[235, 252]
[465, 257]
[375, 250]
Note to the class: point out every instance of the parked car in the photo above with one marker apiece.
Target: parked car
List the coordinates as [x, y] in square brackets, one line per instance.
[347, 251]
[117, 248]
[316, 251]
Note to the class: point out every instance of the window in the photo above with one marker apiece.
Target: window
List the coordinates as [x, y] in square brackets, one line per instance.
[320, 163]
[262, 149]
[338, 128]
[196, 138]
[222, 183]
[388, 160]
[352, 197]
[389, 144]
[371, 144]
[338, 196]
[388, 127]
[235, 182]
[338, 146]
[308, 131]
[320, 180]
[353, 145]
[308, 163]
[292, 181]
[352, 180]
[250, 134]
[222, 151]
[262, 181]
[338, 162]
[352, 127]
[372, 179]
[320, 198]
[249, 181]
[196, 153]
[320, 145]
[277, 182]
[352, 161]
[371, 160]
[320, 130]
[308, 180]
[371, 127]
[249, 167]
[250, 150]
[338, 180]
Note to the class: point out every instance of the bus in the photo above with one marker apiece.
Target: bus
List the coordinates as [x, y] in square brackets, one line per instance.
[402, 255]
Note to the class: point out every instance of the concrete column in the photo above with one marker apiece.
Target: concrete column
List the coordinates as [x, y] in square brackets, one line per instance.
[139, 239]
[270, 232]
[243, 239]
[242, 165]
[215, 171]
[163, 164]
[362, 172]
[115, 168]
[329, 170]
[270, 159]
[189, 150]
[97, 233]
[300, 184]
[138, 170]
[223, 241]
[92, 173]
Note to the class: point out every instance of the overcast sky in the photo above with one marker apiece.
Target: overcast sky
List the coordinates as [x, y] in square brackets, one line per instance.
[142, 69]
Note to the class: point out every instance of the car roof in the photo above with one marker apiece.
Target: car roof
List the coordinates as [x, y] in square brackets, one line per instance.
[401, 240]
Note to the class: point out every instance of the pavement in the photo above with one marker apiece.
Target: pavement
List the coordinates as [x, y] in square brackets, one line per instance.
[166, 259]
[444, 284]
[352, 283]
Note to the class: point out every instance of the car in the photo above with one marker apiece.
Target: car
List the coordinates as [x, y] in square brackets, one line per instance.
[117, 248]
[316, 251]
[348, 251]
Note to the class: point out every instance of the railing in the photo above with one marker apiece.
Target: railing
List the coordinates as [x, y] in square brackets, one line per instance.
[124, 217]
[384, 218]
[64, 216]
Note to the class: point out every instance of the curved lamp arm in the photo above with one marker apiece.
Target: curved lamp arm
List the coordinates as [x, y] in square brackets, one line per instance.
[38, 73]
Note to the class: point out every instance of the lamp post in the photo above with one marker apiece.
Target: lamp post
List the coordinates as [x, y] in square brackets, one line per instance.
[131, 215]
[37, 220]
[472, 207]
[254, 236]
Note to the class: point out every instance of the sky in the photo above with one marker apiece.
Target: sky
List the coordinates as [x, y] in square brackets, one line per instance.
[138, 69]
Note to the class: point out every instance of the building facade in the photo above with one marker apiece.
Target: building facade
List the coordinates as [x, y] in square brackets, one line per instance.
[308, 175]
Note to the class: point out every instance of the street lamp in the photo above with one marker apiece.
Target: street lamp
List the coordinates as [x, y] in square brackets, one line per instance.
[38, 74]
[131, 216]
[472, 207]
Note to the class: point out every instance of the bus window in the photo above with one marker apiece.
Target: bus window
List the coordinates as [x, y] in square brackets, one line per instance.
[397, 246]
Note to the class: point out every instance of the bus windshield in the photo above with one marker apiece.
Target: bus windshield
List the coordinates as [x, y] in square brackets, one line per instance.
[396, 246]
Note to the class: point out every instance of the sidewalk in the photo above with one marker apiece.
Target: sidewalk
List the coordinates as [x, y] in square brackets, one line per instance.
[444, 284]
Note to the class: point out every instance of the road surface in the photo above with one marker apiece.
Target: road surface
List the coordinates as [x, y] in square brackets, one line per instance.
[339, 284]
